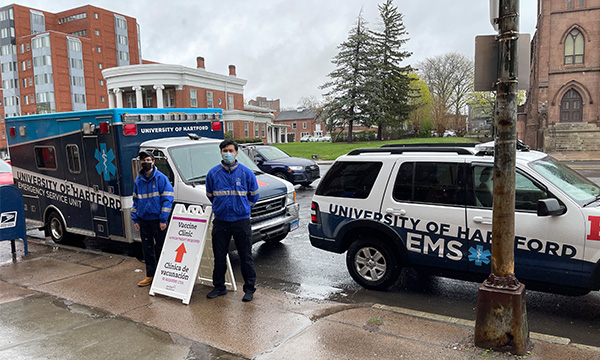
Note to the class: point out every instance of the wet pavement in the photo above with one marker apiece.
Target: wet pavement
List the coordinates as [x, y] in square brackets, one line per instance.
[70, 303]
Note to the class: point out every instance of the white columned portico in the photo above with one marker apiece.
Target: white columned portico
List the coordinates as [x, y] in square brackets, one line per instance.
[119, 97]
[139, 103]
[286, 137]
[111, 99]
[159, 95]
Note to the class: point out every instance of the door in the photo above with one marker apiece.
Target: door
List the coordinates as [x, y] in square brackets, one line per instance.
[545, 246]
[425, 204]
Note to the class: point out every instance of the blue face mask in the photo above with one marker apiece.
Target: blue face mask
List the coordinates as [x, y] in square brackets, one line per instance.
[228, 158]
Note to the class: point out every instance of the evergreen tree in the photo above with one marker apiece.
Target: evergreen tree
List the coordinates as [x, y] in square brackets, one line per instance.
[389, 103]
[350, 80]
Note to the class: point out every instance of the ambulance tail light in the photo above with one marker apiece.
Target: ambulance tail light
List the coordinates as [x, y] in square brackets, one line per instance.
[129, 129]
[104, 127]
[216, 126]
[315, 214]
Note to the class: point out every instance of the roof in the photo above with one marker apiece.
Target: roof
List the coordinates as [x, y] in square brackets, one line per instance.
[304, 114]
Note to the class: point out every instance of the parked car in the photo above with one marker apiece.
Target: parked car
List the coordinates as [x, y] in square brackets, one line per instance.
[316, 138]
[396, 207]
[326, 138]
[6, 176]
[306, 138]
[277, 162]
[449, 133]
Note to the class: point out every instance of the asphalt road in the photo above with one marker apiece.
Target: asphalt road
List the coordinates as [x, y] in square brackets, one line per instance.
[296, 267]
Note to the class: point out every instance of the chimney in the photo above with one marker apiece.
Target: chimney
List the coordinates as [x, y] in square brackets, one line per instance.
[232, 70]
[200, 62]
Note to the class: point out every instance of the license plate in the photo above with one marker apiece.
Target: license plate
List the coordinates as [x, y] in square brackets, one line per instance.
[294, 225]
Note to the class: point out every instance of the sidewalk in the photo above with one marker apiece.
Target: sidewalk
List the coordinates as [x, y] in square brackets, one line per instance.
[64, 303]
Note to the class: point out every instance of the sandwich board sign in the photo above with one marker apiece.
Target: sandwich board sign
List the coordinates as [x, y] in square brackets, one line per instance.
[181, 256]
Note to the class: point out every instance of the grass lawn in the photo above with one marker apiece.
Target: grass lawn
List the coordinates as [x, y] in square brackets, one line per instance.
[330, 151]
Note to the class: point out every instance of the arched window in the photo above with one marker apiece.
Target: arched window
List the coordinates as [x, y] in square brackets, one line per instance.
[574, 47]
[570, 107]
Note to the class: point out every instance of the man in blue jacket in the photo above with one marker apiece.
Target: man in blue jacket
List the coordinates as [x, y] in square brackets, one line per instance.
[233, 191]
[152, 202]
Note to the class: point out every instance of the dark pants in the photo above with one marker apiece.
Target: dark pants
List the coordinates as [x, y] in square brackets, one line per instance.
[242, 235]
[153, 240]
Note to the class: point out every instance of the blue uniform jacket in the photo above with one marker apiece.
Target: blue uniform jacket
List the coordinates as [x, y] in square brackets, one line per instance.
[152, 197]
[232, 190]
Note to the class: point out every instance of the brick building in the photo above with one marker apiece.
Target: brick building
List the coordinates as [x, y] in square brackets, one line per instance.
[300, 122]
[267, 104]
[563, 106]
[171, 86]
[52, 62]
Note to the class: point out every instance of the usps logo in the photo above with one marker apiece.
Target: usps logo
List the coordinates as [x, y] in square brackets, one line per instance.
[8, 219]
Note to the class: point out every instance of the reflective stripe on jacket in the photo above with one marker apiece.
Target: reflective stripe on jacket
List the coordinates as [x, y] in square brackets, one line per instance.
[232, 190]
[152, 197]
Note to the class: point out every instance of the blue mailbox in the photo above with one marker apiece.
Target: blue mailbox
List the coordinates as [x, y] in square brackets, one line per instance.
[12, 216]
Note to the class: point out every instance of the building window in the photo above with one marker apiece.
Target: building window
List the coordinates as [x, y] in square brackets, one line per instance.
[99, 65]
[98, 49]
[574, 47]
[262, 130]
[294, 126]
[40, 42]
[304, 125]
[121, 23]
[77, 63]
[79, 33]
[23, 66]
[95, 15]
[130, 100]
[97, 32]
[246, 131]
[22, 48]
[72, 18]
[230, 128]
[101, 98]
[169, 98]
[29, 64]
[101, 82]
[74, 45]
[193, 98]
[26, 99]
[24, 82]
[27, 46]
[209, 99]
[122, 39]
[123, 55]
[73, 159]
[230, 105]
[570, 107]
[256, 130]
[30, 81]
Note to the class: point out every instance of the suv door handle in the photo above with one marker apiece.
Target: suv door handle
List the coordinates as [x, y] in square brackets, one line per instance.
[482, 220]
[400, 212]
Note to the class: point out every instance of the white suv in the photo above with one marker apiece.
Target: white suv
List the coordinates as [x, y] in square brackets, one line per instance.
[431, 208]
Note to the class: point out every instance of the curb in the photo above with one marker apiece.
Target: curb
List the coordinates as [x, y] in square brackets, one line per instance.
[471, 324]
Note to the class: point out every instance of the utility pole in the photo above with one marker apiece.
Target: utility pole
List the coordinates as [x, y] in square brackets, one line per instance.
[501, 313]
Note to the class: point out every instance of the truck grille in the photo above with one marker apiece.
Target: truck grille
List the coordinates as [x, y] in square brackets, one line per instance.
[268, 207]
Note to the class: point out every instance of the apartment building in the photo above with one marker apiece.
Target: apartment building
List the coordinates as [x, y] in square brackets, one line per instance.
[52, 62]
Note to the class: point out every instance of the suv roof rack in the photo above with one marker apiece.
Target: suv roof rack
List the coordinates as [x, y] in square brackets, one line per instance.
[435, 145]
[405, 149]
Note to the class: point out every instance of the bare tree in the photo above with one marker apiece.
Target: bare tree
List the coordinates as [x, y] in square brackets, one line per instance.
[450, 81]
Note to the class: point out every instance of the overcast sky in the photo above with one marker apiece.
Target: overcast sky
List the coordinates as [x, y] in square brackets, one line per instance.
[284, 48]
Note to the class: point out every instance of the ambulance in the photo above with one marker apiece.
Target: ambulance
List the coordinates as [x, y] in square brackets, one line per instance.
[76, 169]
[430, 208]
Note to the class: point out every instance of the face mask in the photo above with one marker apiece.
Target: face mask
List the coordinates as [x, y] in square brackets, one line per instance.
[228, 158]
[146, 166]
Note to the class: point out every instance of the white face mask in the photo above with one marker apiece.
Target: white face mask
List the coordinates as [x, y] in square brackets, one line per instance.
[228, 158]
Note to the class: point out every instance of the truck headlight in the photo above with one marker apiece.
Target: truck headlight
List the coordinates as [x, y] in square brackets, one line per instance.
[291, 198]
[296, 168]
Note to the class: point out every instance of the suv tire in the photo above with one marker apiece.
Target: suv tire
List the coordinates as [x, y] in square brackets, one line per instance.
[372, 264]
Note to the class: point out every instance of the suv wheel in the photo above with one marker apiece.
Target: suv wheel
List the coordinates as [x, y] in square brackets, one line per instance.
[372, 264]
[281, 175]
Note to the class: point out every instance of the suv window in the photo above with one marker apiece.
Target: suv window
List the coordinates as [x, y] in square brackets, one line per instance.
[429, 182]
[350, 179]
[527, 192]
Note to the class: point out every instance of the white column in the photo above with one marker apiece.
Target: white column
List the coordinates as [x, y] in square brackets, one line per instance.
[286, 137]
[111, 99]
[119, 96]
[159, 95]
[139, 102]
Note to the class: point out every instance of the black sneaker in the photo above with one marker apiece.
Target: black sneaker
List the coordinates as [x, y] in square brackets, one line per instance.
[248, 297]
[216, 292]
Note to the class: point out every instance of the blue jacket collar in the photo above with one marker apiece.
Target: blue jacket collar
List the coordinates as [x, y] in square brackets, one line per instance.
[231, 167]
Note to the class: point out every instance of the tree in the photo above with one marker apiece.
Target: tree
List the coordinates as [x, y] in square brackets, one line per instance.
[450, 79]
[420, 104]
[350, 80]
[310, 102]
[389, 102]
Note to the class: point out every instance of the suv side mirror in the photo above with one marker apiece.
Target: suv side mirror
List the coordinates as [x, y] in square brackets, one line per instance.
[549, 206]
